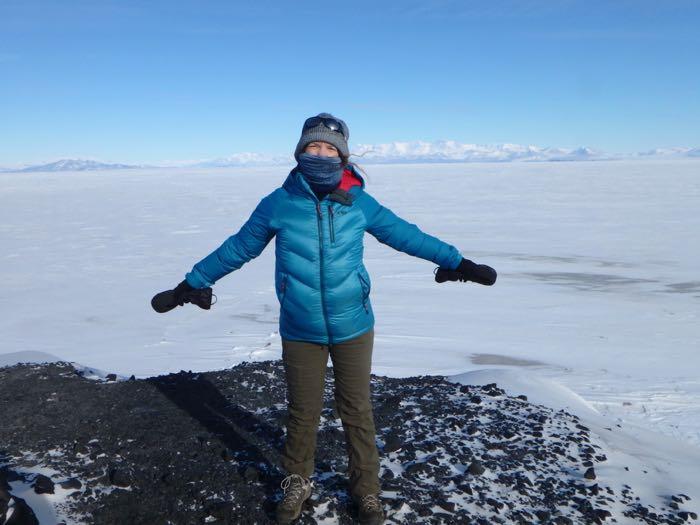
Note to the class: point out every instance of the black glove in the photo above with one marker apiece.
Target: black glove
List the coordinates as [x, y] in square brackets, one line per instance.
[183, 293]
[467, 271]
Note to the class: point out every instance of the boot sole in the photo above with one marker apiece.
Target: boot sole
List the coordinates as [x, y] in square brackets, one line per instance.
[373, 522]
[286, 521]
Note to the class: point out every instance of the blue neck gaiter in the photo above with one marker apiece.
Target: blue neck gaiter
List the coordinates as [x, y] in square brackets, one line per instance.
[322, 173]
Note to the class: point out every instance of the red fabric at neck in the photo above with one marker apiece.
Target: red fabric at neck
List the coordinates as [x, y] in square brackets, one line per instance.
[349, 180]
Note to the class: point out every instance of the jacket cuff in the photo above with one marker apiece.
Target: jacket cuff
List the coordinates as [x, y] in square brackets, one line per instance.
[456, 262]
[194, 281]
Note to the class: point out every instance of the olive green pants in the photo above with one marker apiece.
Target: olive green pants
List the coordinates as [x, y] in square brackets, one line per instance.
[305, 367]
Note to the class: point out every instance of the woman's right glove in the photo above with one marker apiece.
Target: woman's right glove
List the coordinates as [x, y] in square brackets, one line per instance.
[183, 293]
[467, 271]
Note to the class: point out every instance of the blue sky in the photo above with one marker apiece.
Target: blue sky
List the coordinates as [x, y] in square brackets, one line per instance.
[149, 81]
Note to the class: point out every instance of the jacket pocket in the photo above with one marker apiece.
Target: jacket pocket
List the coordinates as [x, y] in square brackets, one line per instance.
[365, 286]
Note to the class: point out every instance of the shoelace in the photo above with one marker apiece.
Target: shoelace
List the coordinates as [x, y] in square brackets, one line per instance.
[293, 487]
[371, 502]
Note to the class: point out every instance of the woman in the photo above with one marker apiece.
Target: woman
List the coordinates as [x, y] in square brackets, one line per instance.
[319, 217]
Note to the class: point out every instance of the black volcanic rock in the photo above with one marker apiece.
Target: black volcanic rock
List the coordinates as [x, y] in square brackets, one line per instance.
[13, 510]
[43, 485]
[192, 448]
[476, 468]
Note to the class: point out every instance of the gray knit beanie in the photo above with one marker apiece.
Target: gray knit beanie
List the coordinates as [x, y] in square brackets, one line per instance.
[322, 133]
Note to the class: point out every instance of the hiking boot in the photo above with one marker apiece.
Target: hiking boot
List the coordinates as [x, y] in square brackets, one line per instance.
[297, 490]
[370, 511]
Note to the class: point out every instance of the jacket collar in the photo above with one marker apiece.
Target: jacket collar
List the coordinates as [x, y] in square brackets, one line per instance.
[351, 183]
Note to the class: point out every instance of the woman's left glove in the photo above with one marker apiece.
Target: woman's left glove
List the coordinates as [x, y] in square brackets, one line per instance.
[467, 271]
[183, 293]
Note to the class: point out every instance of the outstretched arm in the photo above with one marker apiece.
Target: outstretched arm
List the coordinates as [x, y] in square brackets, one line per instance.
[238, 249]
[392, 230]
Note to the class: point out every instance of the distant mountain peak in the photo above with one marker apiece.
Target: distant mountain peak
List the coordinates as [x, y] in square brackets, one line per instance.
[75, 165]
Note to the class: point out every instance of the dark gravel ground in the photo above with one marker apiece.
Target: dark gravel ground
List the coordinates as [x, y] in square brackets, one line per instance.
[190, 448]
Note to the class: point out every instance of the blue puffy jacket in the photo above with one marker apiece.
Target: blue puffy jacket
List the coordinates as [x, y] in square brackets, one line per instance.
[322, 284]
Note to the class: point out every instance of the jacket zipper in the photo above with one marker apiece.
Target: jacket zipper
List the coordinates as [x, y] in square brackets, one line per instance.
[365, 291]
[330, 220]
[320, 249]
[283, 288]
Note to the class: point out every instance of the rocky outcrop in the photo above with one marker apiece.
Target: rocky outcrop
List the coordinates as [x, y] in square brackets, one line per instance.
[13, 510]
[204, 448]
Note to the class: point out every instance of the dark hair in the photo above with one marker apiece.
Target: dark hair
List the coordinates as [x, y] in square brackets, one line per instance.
[347, 162]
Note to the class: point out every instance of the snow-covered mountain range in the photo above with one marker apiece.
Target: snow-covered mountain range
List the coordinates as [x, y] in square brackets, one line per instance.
[671, 152]
[414, 152]
[243, 159]
[72, 165]
[452, 151]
